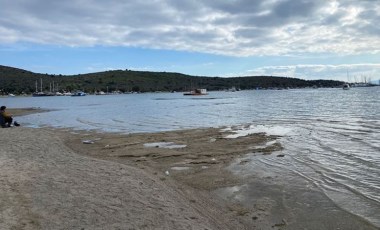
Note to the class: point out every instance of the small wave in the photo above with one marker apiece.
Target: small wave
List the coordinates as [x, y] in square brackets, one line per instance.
[203, 98]
[167, 99]
[252, 129]
[118, 121]
[354, 186]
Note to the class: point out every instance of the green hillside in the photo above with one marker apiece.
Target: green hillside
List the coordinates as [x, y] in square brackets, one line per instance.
[17, 81]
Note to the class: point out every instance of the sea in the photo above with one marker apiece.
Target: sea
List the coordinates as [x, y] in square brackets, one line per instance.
[330, 136]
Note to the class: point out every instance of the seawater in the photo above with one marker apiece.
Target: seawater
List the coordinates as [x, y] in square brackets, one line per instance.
[331, 137]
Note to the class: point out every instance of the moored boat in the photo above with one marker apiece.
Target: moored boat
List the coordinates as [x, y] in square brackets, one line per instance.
[346, 86]
[42, 94]
[78, 94]
[196, 92]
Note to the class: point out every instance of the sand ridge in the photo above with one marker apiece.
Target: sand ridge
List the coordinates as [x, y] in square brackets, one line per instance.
[46, 185]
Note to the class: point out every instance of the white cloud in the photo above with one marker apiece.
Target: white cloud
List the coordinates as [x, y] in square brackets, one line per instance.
[237, 28]
[344, 72]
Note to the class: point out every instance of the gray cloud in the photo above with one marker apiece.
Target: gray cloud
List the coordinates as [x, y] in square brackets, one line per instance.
[302, 8]
[237, 6]
[238, 28]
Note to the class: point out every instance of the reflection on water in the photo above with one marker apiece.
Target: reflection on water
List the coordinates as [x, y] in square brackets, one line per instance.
[158, 112]
[331, 137]
[340, 159]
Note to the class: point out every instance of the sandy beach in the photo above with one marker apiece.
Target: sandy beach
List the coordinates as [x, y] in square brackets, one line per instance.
[65, 179]
[53, 179]
[45, 185]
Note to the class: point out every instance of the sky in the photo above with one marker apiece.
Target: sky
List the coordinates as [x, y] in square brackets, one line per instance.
[307, 39]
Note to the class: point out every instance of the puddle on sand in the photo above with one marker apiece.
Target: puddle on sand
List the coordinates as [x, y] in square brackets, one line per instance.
[180, 168]
[166, 145]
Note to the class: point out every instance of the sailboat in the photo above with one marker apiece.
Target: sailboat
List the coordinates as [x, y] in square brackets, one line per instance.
[41, 93]
[346, 86]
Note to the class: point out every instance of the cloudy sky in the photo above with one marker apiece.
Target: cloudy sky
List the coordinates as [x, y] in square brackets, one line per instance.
[307, 39]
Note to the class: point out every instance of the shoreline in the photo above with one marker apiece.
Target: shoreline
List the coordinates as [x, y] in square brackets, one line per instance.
[51, 179]
[193, 162]
[208, 167]
[187, 184]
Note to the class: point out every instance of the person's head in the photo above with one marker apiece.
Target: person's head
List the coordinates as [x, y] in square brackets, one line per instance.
[3, 107]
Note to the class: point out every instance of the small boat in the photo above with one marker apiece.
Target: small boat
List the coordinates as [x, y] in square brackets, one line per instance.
[196, 92]
[78, 94]
[39, 94]
[11, 95]
[42, 94]
[67, 94]
[346, 86]
[232, 89]
[100, 93]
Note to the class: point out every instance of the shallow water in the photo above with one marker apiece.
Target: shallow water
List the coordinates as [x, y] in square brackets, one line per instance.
[331, 137]
[339, 159]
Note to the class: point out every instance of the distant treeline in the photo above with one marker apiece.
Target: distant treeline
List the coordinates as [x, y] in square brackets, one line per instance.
[18, 81]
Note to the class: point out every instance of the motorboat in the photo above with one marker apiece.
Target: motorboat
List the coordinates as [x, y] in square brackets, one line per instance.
[78, 94]
[196, 92]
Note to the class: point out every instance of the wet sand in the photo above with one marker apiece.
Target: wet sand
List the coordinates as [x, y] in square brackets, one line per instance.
[192, 162]
[25, 111]
[202, 165]
[64, 179]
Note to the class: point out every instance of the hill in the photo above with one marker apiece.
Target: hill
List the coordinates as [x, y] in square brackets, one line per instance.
[17, 81]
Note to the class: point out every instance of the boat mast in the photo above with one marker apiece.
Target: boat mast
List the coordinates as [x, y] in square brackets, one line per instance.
[41, 84]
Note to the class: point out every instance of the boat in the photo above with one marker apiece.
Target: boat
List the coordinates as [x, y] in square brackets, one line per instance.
[78, 94]
[232, 89]
[41, 93]
[346, 86]
[196, 92]
[67, 94]
[100, 93]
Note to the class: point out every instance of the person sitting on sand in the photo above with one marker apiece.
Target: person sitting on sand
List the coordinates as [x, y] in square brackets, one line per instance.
[6, 118]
